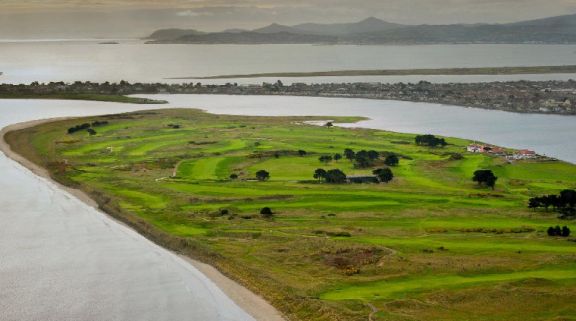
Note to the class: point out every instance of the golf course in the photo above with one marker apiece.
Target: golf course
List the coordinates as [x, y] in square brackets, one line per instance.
[240, 193]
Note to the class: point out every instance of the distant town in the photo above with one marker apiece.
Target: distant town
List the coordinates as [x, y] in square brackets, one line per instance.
[544, 97]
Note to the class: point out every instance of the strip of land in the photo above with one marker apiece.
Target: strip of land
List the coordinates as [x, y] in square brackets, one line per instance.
[570, 69]
[250, 302]
[430, 244]
[79, 96]
[542, 97]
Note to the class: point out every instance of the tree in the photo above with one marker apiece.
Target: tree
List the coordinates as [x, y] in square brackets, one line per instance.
[373, 155]
[565, 231]
[335, 176]
[91, 131]
[349, 154]
[266, 212]
[568, 198]
[486, 177]
[337, 157]
[557, 231]
[430, 141]
[233, 176]
[385, 175]
[320, 174]
[262, 175]
[302, 153]
[391, 160]
[329, 124]
[551, 231]
[325, 159]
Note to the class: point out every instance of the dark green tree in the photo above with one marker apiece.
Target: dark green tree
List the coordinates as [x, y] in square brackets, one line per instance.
[337, 157]
[266, 212]
[486, 177]
[391, 160]
[320, 174]
[262, 175]
[335, 176]
[349, 154]
[325, 159]
[385, 175]
[565, 231]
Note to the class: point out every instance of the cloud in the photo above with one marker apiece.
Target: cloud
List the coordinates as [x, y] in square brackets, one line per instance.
[193, 13]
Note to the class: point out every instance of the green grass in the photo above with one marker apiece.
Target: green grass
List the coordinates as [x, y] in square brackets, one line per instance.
[430, 236]
[403, 287]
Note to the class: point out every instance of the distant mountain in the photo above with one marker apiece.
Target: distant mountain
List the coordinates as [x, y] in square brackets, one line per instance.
[249, 38]
[167, 34]
[565, 23]
[276, 28]
[554, 30]
[341, 29]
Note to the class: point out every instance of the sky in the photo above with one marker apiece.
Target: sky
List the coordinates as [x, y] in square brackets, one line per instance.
[137, 18]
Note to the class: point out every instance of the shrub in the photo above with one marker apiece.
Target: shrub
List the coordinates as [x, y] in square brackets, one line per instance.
[266, 212]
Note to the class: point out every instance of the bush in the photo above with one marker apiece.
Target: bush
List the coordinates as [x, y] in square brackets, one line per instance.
[266, 212]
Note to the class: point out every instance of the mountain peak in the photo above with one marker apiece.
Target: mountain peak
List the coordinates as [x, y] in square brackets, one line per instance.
[372, 20]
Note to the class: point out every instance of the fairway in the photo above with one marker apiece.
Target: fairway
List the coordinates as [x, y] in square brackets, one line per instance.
[429, 245]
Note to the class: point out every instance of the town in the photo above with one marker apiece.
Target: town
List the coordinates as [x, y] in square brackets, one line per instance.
[544, 97]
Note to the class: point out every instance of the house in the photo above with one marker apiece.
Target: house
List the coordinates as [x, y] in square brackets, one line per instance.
[362, 179]
[523, 154]
[474, 148]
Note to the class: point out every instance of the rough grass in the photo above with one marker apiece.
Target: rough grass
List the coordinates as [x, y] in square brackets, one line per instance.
[430, 245]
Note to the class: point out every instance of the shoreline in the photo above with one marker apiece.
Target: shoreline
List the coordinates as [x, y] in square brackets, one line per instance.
[252, 303]
[476, 71]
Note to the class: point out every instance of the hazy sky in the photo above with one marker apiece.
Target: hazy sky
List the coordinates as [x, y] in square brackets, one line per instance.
[134, 18]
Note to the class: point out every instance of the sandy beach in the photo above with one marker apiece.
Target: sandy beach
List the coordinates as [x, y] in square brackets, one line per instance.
[250, 302]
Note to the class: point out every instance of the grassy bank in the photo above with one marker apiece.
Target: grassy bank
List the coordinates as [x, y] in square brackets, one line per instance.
[430, 245]
[91, 97]
[570, 69]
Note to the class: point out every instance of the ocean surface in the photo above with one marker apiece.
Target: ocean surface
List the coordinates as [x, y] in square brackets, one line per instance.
[134, 61]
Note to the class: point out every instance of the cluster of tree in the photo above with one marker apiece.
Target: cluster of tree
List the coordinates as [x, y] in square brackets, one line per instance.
[328, 158]
[363, 158]
[78, 128]
[385, 175]
[86, 126]
[557, 231]
[333, 176]
[565, 202]
[430, 141]
[262, 175]
[485, 177]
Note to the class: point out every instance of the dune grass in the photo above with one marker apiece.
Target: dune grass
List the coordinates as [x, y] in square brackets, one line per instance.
[430, 245]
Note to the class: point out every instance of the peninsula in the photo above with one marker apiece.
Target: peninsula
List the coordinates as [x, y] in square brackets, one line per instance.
[328, 223]
[571, 69]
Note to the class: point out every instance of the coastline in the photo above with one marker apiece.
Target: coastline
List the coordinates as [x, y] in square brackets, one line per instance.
[249, 301]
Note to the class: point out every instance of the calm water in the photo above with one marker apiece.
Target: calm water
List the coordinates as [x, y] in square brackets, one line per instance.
[551, 135]
[24, 62]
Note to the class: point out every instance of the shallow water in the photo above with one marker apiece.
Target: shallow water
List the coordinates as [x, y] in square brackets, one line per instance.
[24, 62]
